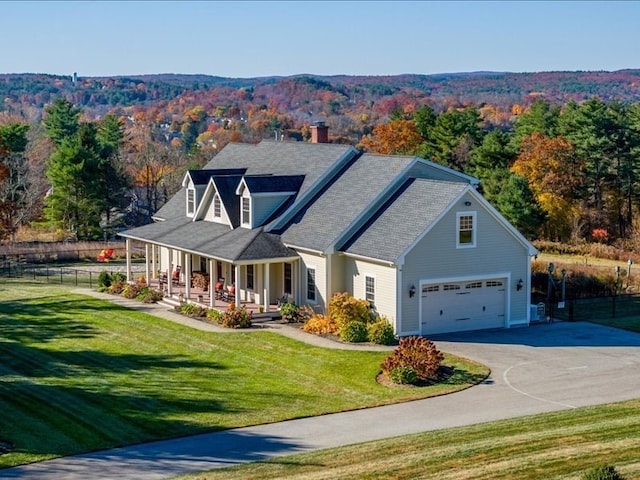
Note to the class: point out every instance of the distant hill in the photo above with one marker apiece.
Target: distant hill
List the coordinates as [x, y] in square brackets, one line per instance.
[309, 96]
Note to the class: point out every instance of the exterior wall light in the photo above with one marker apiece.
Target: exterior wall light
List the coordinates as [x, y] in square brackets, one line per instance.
[519, 285]
[412, 291]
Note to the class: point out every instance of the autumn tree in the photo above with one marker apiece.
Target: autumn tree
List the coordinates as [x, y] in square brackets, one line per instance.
[398, 137]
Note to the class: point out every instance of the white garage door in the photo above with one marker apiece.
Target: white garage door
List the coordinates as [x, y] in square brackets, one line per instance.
[459, 306]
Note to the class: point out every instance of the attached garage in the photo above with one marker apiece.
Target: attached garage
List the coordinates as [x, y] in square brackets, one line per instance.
[455, 306]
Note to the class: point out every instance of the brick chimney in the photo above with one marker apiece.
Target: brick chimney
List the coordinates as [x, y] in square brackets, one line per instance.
[319, 133]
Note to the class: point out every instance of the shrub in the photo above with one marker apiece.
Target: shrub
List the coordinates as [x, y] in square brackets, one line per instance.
[236, 318]
[404, 376]
[320, 324]
[104, 279]
[602, 473]
[415, 352]
[290, 312]
[214, 315]
[193, 310]
[343, 309]
[353, 332]
[150, 295]
[130, 290]
[118, 277]
[381, 332]
[117, 286]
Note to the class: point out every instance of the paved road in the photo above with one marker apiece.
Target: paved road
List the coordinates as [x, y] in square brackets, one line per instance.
[536, 369]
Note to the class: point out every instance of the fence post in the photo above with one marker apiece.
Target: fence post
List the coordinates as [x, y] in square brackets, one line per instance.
[90, 285]
[61, 276]
[76, 277]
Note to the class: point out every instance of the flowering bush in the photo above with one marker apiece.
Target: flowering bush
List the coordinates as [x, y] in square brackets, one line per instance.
[236, 317]
[600, 235]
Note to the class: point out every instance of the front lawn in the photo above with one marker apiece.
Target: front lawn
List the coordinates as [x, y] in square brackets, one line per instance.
[81, 374]
[561, 445]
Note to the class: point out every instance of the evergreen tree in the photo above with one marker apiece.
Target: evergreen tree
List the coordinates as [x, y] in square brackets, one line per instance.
[61, 120]
[518, 204]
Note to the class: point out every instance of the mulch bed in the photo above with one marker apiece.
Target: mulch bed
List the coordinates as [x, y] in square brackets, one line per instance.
[444, 373]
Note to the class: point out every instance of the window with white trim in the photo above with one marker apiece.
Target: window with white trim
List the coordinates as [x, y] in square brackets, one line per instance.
[311, 284]
[191, 201]
[466, 230]
[246, 211]
[249, 277]
[370, 289]
[217, 206]
[288, 278]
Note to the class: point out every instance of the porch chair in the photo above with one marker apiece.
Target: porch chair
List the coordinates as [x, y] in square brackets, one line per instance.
[230, 294]
[175, 276]
[220, 288]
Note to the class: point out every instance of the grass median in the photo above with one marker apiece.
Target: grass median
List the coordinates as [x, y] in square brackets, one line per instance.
[81, 374]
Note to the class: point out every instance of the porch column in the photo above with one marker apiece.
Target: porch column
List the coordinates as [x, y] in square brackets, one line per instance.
[238, 285]
[147, 266]
[170, 271]
[187, 276]
[154, 261]
[265, 293]
[128, 255]
[212, 285]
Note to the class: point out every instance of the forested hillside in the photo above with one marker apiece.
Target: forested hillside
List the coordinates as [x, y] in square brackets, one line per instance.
[558, 153]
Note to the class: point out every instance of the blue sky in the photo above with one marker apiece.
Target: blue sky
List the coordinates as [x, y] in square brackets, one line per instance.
[252, 39]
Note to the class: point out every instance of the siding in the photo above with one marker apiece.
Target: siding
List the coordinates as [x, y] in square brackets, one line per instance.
[208, 216]
[355, 271]
[496, 253]
[263, 207]
[319, 263]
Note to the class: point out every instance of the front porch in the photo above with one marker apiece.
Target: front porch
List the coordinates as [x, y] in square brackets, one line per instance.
[179, 293]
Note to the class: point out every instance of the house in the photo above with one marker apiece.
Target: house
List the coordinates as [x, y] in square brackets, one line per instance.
[306, 220]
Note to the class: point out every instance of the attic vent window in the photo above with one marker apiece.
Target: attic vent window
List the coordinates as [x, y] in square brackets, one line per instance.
[246, 211]
[191, 201]
[217, 210]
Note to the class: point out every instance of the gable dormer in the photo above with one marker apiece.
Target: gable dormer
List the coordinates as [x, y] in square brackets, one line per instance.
[196, 183]
[260, 196]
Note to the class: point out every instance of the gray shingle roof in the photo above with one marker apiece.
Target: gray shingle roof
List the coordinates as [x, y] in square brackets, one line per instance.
[212, 239]
[281, 158]
[405, 216]
[175, 207]
[321, 223]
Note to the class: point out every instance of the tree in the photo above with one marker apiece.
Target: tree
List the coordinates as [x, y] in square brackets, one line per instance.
[61, 120]
[398, 137]
[520, 207]
[15, 200]
[541, 118]
[452, 137]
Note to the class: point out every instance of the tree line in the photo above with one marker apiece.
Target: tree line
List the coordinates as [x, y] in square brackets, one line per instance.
[562, 173]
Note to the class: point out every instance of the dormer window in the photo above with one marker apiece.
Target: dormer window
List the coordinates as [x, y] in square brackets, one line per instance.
[191, 201]
[246, 211]
[217, 206]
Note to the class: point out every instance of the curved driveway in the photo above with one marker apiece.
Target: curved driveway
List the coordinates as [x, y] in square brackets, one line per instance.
[535, 369]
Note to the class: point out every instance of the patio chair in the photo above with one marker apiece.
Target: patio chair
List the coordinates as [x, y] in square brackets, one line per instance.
[175, 276]
[219, 288]
[230, 294]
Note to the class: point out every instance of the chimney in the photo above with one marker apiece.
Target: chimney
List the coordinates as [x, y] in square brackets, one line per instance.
[319, 133]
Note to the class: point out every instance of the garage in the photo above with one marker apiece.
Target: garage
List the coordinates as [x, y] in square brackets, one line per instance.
[459, 306]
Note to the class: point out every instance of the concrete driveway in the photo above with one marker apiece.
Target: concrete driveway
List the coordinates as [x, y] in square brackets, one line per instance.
[535, 369]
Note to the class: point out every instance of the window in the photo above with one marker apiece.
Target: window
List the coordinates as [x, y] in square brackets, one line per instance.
[217, 210]
[191, 201]
[311, 284]
[430, 288]
[474, 285]
[450, 286]
[246, 211]
[249, 277]
[466, 230]
[494, 283]
[287, 278]
[370, 289]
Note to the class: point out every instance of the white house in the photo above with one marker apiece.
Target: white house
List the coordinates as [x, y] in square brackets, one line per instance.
[307, 220]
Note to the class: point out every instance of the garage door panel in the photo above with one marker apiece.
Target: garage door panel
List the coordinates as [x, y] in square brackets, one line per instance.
[460, 306]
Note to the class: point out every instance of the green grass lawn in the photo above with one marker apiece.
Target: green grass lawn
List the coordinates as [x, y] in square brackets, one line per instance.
[80, 374]
[560, 445]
